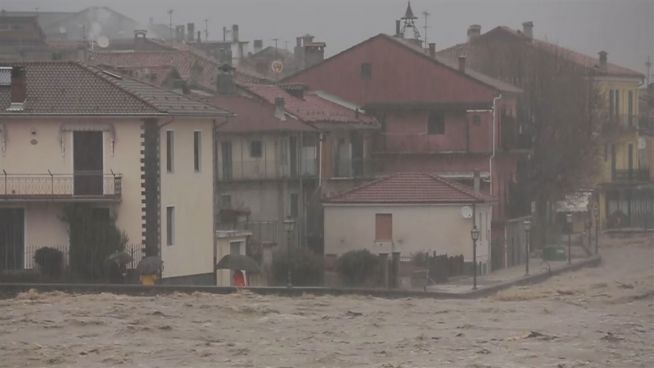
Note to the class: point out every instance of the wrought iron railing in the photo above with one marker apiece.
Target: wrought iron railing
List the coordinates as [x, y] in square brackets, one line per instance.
[87, 184]
[267, 169]
[640, 175]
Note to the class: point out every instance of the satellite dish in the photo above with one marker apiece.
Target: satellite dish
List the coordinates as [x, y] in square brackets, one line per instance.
[102, 41]
[466, 212]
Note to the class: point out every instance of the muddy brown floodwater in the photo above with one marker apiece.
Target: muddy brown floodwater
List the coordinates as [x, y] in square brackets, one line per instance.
[595, 317]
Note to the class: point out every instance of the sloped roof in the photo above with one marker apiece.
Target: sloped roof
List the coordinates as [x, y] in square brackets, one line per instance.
[576, 57]
[72, 88]
[311, 108]
[253, 115]
[418, 51]
[410, 188]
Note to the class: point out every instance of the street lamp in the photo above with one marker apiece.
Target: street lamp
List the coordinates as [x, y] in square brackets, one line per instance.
[527, 225]
[568, 220]
[474, 234]
[289, 226]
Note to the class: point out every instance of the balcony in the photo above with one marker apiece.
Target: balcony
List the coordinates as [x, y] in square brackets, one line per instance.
[267, 170]
[612, 125]
[631, 176]
[52, 187]
[398, 143]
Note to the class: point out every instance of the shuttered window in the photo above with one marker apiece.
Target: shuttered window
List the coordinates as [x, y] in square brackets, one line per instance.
[383, 227]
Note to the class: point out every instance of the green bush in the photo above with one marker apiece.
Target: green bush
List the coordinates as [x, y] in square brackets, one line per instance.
[50, 261]
[93, 237]
[358, 267]
[306, 267]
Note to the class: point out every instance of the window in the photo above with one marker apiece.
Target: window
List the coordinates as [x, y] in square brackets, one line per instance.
[383, 227]
[256, 149]
[436, 123]
[197, 139]
[366, 71]
[294, 210]
[170, 147]
[225, 201]
[630, 107]
[170, 225]
[617, 102]
[611, 103]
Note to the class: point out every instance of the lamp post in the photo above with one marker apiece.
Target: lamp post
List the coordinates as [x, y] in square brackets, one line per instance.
[474, 234]
[568, 220]
[597, 226]
[527, 225]
[289, 226]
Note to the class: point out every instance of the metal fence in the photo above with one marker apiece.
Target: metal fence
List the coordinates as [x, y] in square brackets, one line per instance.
[134, 250]
[59, 185]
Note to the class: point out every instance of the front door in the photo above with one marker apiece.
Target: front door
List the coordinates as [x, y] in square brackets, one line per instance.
[12, 246]
[87, 163]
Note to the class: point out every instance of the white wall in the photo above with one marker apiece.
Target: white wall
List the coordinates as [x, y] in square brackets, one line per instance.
[191, 193]
[415, 229]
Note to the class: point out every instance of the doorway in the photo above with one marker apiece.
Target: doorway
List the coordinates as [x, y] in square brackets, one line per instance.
[12, 238]
[87, 163]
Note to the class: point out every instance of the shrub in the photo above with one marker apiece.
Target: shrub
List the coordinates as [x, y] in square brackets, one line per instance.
[356, 267]
[19, 276]
[50, 261]
[306, 267]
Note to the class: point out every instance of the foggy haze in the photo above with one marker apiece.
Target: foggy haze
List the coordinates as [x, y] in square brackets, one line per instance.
[625, 28]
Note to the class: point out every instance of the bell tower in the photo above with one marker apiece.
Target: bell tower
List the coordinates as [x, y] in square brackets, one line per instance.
[406, 24]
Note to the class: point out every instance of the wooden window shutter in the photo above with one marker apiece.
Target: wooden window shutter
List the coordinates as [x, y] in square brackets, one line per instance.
[383, 227]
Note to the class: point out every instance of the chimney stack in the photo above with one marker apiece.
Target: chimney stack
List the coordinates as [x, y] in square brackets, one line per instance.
[139, 37]
[474, 30]
[279, 113]
[397, 28]
[190, 32]
[462, 63]
[180, 33]
[258, 45]
[476, 181]
[603, 60]
[528, 29]
[198, 39]
[225, 80]
[235, 33]
[432, 49]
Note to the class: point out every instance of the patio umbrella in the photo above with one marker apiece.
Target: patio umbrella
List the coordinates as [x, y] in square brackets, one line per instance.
[150, 265]
[238, 262]
[120, 257]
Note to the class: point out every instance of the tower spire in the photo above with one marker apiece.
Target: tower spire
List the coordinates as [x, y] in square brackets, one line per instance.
[409, 21]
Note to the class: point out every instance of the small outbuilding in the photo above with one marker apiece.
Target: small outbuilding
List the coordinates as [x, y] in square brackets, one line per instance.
[409, 213]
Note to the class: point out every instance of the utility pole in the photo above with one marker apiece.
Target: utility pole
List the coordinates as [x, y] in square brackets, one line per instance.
[206, 29]
[426, 15]
[275, 39]
[648, 64]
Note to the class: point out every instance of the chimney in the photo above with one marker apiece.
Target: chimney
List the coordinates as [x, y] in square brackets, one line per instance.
[258, 45]
[280, 112]
[528, 29]
[474, 30]
[235, 33]
[397, 28]
[462, 63]
[476, 181]
[602, 60]
[432, 49]
[225, 80]
[180, 33]
[190, 31]
[198, 39]
[139, 37]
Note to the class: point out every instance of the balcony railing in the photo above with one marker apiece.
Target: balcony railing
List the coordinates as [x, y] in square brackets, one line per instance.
[616, 124]
[267, 170]
[634, 175]
[418, 144]
[81, 186]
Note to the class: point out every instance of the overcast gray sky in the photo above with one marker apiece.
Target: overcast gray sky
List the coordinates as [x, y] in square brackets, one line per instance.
[624, 28]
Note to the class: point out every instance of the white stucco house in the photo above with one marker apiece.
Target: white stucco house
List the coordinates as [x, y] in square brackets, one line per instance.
[409, 213]
[70, 133]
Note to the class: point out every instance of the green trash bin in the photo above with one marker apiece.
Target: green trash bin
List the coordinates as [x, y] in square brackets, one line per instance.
[554, 253]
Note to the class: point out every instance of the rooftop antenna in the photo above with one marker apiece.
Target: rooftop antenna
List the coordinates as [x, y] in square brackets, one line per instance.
[170, 17]
[275, 39]
[206, 29]
[426, 14]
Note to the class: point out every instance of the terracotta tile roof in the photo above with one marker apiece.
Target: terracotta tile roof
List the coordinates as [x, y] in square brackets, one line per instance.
[253, 115]
[575, 56]
[71, 88]
[311, 108]
[410, 188]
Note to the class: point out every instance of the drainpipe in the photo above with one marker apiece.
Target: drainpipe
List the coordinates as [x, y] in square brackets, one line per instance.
[321, 137]
[492, 157]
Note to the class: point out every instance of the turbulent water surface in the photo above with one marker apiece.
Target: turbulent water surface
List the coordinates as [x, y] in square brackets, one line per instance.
[595, 317]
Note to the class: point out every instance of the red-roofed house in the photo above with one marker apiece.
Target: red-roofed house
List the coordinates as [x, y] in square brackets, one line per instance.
[409, 213]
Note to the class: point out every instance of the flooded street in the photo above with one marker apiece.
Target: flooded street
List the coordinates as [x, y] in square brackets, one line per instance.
[596, 317]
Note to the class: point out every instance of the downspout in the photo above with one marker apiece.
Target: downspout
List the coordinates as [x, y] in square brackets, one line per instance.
[214, 162]
[492, 157]
[321, 137]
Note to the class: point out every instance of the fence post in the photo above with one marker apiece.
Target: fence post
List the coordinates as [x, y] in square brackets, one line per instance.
[51, 182]
[5, 174]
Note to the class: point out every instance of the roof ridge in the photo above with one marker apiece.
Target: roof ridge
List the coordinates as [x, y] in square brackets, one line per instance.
[460, 187]
[362, 186]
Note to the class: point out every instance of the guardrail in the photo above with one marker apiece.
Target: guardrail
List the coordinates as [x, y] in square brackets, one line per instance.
[48, 186]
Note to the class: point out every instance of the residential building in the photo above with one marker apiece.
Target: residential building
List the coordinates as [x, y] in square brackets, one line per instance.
[436, 117]
[623, 183]
[72, 133]
[21, 37]
[410, 213]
